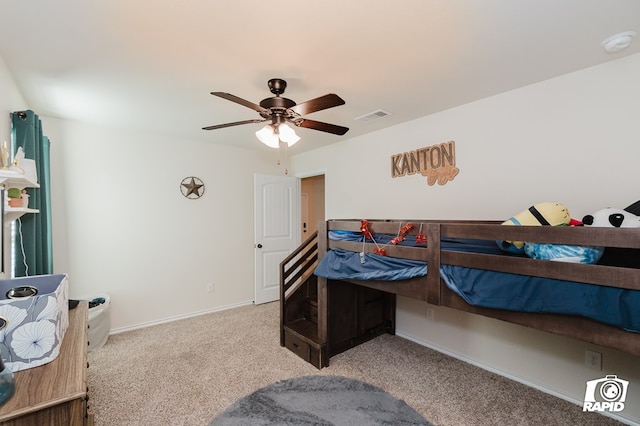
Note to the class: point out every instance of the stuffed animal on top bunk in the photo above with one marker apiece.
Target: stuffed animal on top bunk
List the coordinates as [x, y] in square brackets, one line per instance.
[564, 252]
[617, 218]
[547, 214]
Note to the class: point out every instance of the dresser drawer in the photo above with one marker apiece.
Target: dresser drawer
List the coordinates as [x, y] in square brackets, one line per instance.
[298, 346]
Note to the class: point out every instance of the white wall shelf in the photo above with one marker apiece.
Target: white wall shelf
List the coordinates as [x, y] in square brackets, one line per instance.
[13, 213]
[13, 179]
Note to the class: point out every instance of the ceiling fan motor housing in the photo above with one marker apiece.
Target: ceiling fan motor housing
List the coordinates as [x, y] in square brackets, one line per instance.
[277, 103]
[277, 86]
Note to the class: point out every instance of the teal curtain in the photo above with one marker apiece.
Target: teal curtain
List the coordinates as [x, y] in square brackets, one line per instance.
[33, 233]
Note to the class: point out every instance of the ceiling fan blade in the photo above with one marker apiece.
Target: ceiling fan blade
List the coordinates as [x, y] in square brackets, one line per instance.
[323, 102]
[243, 102]
[235, 123]
[323, 127]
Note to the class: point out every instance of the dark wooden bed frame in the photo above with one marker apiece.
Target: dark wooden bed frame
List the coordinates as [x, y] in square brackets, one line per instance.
[320, 317]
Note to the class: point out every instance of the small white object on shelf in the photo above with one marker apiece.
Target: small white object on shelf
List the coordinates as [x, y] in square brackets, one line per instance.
[25, 199]
[28, 167]
[4, 155]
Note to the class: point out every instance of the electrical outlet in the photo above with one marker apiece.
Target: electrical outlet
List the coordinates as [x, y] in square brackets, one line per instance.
[593, 360]
[209, 287]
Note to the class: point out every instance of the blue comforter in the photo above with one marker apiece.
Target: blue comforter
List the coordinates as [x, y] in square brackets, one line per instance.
[491, 289]
[341, 264]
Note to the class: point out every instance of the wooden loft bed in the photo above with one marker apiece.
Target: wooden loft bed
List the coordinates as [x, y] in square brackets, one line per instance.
[321, 317]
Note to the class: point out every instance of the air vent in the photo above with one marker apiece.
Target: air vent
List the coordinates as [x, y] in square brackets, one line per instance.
[375, 115]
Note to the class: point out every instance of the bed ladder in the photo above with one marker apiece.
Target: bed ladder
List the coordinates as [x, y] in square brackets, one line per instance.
[299, 303]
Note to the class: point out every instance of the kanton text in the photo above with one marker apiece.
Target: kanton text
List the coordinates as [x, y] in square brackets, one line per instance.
[437, 162]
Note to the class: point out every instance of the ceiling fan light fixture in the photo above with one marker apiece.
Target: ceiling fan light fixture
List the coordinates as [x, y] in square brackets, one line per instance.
[268, 136]
[287, 134]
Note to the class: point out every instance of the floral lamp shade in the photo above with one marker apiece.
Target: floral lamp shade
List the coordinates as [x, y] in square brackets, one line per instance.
[34, 326]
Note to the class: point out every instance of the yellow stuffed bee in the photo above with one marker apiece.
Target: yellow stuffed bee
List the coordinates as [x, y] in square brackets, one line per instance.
[542, 214]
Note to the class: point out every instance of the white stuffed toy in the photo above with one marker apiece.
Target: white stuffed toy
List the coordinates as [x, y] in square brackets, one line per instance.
[616, 218]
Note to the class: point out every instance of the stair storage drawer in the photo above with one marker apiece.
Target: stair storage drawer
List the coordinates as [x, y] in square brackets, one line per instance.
[298, 346]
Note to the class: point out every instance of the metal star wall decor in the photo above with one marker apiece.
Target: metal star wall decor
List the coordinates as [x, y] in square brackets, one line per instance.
[192, 187]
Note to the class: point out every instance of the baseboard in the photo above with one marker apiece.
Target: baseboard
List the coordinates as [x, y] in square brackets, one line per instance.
[178, 317]
[510, 376]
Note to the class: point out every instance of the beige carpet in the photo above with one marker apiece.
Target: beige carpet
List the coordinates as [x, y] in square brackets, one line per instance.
[186, 372]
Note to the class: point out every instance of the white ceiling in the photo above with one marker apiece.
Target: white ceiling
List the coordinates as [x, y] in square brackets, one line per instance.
[150, 65]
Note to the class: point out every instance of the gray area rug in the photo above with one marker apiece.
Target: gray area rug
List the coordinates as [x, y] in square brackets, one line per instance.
[319, 400]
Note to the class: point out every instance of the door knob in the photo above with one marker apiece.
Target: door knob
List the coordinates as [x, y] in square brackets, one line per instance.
[259, 246]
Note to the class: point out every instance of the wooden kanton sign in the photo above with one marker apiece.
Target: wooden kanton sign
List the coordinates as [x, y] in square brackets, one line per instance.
[436, 162]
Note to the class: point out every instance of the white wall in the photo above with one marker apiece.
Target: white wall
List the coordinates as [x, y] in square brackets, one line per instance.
[122, 226]
[573, 139]
[10, 100]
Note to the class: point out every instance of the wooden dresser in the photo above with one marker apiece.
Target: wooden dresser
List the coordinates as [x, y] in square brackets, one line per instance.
[55, 394]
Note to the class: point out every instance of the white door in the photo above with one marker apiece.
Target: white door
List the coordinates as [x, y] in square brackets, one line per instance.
[277, 230]
[304, 205]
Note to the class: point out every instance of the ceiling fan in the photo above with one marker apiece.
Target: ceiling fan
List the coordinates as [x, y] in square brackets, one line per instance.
[280, 111]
